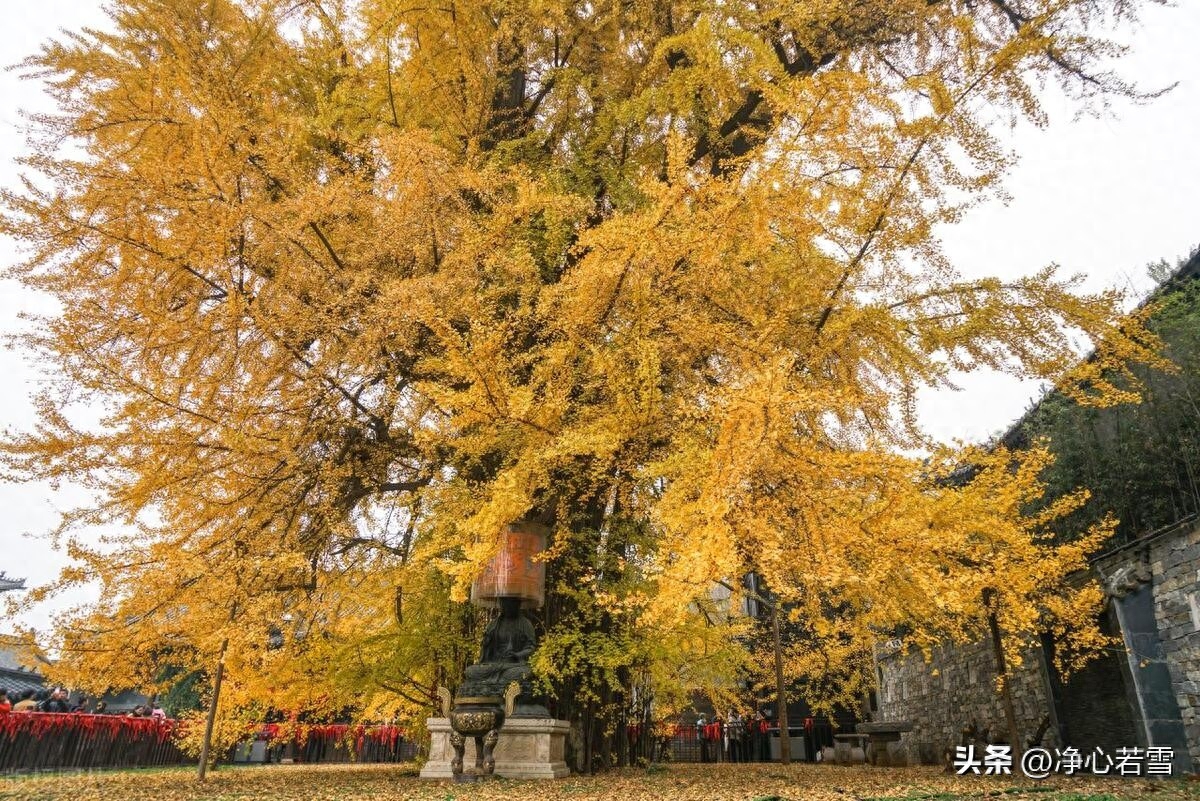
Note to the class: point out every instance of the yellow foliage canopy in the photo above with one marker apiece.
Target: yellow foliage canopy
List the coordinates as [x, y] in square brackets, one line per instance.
[357, 283]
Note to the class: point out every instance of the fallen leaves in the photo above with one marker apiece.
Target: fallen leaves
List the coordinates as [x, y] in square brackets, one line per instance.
[699, 782]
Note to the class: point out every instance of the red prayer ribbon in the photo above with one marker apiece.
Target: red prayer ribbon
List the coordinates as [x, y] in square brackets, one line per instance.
[40, 724]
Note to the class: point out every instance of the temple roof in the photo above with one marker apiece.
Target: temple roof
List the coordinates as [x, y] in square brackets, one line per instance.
[7, 583]
[16, 675]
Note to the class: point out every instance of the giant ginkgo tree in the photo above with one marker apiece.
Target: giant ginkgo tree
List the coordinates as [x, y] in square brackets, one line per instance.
[354, 284]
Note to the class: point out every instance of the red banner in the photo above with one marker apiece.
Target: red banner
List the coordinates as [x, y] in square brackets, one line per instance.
[40, 724]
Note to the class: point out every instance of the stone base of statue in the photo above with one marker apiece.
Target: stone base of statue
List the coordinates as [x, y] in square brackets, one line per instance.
[529, 748]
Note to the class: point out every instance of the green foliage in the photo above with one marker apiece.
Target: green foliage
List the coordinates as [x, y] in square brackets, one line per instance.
[1141, 462]
[184, 693]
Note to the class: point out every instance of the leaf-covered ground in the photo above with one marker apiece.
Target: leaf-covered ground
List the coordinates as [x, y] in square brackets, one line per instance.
[700, 782]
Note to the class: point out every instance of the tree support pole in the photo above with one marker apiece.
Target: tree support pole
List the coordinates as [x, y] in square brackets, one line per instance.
[212, 711]
[785, 734]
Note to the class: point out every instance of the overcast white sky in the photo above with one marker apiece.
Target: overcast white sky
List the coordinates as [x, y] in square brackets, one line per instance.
[1099, 197]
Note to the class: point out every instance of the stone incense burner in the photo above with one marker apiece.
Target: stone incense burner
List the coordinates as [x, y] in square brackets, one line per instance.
[480, 717]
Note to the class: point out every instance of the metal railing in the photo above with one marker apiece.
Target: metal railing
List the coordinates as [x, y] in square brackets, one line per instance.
[684, 743]
[328, 743]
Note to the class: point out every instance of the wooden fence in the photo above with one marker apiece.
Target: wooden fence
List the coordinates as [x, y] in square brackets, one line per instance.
[41, 741]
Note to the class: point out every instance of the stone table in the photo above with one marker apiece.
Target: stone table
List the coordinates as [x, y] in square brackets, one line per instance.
[885, 747]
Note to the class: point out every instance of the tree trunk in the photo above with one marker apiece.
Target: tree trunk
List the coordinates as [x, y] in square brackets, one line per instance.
[1010, 714]
[606, 736]
[589, 739]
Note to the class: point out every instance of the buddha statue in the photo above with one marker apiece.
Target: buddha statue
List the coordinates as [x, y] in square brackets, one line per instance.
[508, 642]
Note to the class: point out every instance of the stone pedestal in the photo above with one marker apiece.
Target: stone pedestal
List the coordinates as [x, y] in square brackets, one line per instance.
[529, 748]
[849, 749]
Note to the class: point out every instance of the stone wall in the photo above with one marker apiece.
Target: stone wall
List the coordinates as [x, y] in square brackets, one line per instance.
[955, 688]
[1154, 587]
[1175, 569]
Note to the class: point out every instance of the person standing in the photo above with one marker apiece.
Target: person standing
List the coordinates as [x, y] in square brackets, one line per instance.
[764, 736]
[736, 733]
[57, 702]
[702, 737]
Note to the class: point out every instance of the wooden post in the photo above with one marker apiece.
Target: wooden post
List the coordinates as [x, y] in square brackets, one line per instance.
[212, 711]
[785, 735]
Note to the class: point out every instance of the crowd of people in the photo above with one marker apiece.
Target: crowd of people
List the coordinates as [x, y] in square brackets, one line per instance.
[58, 700]
[734, 738]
